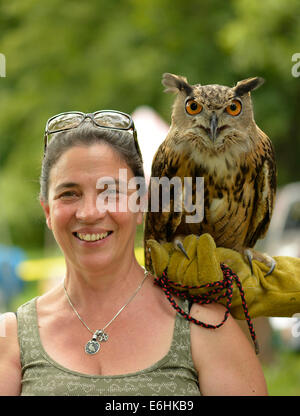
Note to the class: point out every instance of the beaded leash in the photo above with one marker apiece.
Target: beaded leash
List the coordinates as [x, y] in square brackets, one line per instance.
[169, 287]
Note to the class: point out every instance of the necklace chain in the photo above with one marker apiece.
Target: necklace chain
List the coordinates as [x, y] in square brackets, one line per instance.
[100, 333]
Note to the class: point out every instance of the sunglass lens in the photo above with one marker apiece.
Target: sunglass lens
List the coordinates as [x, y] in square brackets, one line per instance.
[114, 120]
[64, 121]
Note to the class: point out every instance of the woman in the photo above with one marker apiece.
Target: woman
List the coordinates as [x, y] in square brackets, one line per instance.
[107, 329]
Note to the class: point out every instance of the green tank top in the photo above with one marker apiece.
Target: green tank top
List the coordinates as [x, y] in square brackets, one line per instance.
[173, 375]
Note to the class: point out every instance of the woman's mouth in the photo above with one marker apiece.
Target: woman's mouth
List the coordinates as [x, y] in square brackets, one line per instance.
[92, 237]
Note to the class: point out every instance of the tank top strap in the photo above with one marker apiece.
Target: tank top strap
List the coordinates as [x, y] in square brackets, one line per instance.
[30, 349]
[180, 350]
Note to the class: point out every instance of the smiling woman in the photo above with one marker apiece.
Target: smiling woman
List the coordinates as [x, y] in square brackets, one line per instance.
[107, 329]
[73, 216]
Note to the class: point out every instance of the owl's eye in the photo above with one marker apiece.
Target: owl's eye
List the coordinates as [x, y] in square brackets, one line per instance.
[234, 108]
[192, 107]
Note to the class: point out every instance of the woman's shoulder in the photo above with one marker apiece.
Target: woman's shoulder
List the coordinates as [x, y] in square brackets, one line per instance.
[8, 330]
[10, 365]
[222, 327]
[222, 334]
[214, 312]
[8, 324]
[224, 357]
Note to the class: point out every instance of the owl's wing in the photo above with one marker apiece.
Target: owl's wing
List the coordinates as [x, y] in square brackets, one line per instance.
[265, 191]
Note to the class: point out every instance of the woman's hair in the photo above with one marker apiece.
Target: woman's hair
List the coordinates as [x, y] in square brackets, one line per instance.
[86, 135]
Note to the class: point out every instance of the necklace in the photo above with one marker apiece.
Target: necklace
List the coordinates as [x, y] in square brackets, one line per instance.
[93, 345]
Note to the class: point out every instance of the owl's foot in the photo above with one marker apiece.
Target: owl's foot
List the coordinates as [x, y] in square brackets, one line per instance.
[251, 254]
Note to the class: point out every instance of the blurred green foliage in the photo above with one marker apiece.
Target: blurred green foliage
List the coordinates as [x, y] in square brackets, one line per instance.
[76, 55]
[283, 375]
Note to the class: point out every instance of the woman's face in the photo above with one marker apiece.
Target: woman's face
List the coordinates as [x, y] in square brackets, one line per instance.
[72, 210]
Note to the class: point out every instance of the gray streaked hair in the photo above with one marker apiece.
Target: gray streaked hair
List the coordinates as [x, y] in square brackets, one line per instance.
[86, 135]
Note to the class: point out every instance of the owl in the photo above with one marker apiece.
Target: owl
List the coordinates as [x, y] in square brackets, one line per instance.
[213, 135]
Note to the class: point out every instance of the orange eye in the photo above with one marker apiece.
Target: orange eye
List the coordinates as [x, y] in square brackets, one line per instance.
[234, 108]
[192, 107]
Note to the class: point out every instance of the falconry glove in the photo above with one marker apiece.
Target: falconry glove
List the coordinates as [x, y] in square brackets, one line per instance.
[275, 295]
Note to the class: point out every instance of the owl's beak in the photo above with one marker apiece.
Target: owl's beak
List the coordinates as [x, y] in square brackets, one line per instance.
[213, 127]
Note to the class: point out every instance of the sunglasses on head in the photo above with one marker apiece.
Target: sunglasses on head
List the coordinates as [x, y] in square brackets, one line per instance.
[105, 119]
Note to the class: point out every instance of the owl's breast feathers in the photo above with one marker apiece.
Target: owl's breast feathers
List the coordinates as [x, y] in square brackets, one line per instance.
[238, 192]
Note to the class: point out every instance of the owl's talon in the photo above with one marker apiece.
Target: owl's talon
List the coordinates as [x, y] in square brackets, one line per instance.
[272, 267]
[249, 256]
[264, 258]
[182, 249]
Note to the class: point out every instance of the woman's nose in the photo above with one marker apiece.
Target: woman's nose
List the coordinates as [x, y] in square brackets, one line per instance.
[87, 210]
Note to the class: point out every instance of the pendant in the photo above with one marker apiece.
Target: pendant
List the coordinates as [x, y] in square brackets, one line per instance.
[101, 335]
[92, 347]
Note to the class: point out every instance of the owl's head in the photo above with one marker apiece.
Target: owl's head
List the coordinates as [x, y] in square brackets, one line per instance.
[217, 115]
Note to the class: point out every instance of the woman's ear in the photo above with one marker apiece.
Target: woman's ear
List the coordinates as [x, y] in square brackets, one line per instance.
[46, 210]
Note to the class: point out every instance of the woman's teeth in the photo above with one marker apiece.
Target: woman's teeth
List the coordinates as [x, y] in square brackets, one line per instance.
[92, 237]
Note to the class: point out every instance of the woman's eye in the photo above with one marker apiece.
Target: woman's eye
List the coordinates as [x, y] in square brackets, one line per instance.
[69, 194]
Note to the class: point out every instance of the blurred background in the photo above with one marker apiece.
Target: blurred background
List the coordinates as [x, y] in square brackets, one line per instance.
[75, 55]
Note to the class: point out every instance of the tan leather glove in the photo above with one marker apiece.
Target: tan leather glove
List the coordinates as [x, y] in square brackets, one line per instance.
[275, 295]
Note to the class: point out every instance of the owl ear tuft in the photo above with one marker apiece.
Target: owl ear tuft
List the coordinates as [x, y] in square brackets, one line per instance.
[175, 83]
[249, 84]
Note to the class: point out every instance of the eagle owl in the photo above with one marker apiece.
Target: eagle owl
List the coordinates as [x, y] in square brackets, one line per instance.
[213, 135]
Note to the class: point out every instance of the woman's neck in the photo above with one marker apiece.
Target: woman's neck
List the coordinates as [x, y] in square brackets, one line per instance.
[90, 290]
